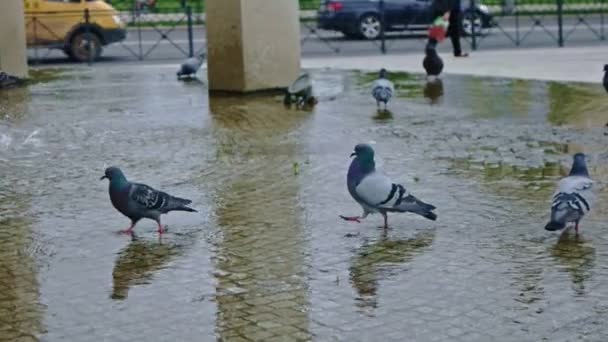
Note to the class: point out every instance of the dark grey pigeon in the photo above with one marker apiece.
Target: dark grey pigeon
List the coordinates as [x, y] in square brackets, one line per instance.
[137, 201]
[574, 196]
[9, 81]
[606, 77]
[190, 66]
[432, 63]
[376, 193]
[382, 89]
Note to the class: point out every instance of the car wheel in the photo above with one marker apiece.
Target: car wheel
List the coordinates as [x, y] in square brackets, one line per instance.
[84, 47]
[370, 26]
[472, 20]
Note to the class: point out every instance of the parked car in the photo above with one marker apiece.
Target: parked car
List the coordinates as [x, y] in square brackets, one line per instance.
[361, 18]
[61, 24]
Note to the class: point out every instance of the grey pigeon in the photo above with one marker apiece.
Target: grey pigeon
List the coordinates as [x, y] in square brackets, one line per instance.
[190, 66]
[432, 63]
[605, 81]
[573, 198]
[137, 201]
[8, 81]
[382, 89]
[376, 193]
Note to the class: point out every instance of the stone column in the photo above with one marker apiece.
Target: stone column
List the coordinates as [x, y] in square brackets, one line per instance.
[252, 45]
[13, 54]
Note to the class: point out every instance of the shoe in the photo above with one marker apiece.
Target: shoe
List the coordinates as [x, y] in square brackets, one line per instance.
[463, 54]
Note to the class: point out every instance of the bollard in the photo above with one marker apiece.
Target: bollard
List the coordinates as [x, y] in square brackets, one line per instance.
[190, 39]
[382, 38]
[560, 23]
[473, 13]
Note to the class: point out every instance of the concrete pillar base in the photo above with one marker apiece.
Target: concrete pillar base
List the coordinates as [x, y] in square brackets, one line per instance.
[13, 51]
[252, 45]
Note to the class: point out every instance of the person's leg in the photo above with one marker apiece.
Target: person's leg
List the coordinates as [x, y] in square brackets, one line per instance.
[454, 31]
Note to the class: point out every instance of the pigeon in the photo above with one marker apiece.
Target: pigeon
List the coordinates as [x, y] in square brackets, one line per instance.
[137, 201]
[382, 89]
[8, 81]
[376, 193]
[573, 198]
[606, 77]
[432, 63]
[191, 66]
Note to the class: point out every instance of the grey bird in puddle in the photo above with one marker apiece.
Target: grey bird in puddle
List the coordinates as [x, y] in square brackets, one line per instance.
[382, 89]
[574, 196]
[190, 66]
[376, 193]
[137, 201]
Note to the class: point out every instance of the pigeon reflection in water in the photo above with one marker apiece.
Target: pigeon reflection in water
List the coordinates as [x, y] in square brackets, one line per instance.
[137, 263]
[380, 260]
[575, 256]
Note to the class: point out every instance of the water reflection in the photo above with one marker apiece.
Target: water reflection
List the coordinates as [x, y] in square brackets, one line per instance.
[583, 106]
[576, 256]
[13, 104]
[261, 290]
[20, 311]
[138, 261]
[378, 260]
[383, 115]
[433, 90]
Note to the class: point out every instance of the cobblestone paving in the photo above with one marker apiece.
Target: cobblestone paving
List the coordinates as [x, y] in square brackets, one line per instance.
[267, 258]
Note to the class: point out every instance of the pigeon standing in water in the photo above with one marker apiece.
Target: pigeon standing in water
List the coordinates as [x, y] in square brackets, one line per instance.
[190, 66]
[376, 193]
[606, 77]
[573, 198]
[382, 89]
[432, 63]
[137, 201]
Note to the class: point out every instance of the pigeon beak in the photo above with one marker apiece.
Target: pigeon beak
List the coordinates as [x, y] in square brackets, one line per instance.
[353, 154]
[103, 177]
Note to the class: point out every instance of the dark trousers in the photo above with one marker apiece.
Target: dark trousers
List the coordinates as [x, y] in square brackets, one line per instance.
[453, 29]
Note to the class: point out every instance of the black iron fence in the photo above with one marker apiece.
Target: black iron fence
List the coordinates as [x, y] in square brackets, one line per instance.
[143, 29]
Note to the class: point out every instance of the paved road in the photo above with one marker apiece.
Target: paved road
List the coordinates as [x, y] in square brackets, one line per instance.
[320, 43]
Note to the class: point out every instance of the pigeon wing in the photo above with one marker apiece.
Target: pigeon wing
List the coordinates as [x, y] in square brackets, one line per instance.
[378, 191]
[573, 199]
[148, 198]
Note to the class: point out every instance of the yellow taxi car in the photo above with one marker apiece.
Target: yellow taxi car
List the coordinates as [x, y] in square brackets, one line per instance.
[62, 24]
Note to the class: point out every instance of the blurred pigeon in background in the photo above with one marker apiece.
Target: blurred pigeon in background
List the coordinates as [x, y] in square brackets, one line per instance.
[382, 89]
[573, 198]
[376, 193]
[432, 63]
[137, 201]
[8, 81]
[189, 68]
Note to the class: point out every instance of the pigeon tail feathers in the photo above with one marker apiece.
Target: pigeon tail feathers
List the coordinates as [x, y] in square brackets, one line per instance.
[553, 226]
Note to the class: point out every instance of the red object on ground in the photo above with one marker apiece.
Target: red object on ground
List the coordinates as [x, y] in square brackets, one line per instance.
[437, 32]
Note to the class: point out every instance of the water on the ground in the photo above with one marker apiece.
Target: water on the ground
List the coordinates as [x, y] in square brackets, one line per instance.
[267, 257]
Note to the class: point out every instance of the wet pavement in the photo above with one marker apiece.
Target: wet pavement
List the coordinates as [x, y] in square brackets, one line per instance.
[267, 257]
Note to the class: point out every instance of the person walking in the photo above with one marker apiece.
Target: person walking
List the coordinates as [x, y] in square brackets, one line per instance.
[452, 10]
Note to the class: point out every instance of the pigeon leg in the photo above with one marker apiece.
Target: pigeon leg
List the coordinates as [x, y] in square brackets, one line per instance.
[351, 218]
[129, 230]
[576, 228]
[160, 228]
[385, 215]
